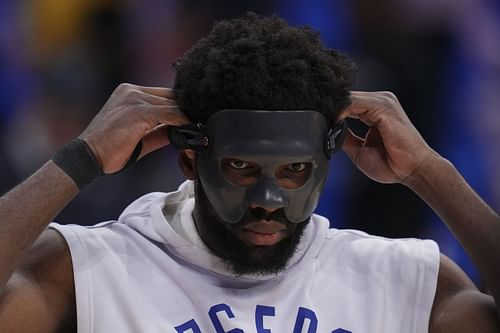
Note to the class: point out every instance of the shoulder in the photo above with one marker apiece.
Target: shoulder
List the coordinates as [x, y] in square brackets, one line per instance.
[409, 262]
[459, 306]
[361, 246]
[40, 294]
[49, 259]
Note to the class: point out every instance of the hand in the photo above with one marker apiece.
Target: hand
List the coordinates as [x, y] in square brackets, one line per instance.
[132, 114]
[392, 149]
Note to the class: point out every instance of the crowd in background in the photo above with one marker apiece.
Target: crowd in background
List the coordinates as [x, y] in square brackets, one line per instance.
[60, 60]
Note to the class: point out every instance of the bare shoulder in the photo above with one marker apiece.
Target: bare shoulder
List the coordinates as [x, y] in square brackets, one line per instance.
[40, 297]
[49, 259]
[459, 306]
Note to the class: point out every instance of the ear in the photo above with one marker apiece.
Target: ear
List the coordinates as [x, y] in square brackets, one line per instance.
[187, 163]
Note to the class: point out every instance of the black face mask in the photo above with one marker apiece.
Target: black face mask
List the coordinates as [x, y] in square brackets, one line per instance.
[270, 139]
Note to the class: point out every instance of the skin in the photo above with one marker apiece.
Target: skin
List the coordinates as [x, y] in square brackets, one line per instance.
[36, 278]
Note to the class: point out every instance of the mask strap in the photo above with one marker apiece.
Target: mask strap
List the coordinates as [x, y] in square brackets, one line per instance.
[335, 138]
[191, 136]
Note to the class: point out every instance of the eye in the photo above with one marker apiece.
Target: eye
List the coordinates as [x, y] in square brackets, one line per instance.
[238, 164]
[240, 172]
[296, 167]
[294, 175]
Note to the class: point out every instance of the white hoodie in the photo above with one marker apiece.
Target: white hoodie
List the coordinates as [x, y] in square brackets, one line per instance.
[150, 272]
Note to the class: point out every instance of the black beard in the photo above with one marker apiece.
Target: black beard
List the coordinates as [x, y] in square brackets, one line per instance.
[241, 258]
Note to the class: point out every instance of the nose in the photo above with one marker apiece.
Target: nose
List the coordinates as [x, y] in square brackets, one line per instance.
[266, 209]
[267, 194]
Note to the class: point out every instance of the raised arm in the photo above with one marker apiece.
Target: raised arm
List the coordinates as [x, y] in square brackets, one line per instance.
[28, 282]
[394, 152]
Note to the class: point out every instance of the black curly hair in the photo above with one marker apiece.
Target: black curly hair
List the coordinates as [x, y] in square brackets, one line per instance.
[256, 62]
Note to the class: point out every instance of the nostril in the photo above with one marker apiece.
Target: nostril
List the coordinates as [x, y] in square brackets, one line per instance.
[260, 211]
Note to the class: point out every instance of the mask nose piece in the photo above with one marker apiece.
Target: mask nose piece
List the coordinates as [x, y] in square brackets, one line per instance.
[267, 194]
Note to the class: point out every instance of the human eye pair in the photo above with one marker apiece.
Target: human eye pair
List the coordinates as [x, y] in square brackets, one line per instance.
[244, 165]
[245, 173]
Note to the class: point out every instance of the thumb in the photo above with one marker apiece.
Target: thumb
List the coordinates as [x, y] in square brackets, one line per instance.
[154, 139]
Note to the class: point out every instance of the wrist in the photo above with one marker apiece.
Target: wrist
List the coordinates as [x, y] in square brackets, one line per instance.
[93, 149]
[433, 169]
[79, 162]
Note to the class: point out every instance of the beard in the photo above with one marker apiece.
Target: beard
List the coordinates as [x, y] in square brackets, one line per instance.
[240, 257]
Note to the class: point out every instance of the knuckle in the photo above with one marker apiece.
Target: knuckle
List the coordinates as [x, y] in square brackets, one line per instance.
[124, 86]
[388, 98]
[388, 95]
[133, 95]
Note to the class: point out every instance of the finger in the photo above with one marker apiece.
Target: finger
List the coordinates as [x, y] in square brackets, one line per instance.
[368, 106]
[154, 140]
[157, 100]
[352, 144]
[371, 110]
[168, 115]
[158, 91]
[360, 103]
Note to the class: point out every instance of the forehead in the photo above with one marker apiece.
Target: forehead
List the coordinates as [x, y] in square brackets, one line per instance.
[299, 133]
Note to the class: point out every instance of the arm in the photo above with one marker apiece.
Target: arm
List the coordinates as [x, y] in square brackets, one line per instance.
[27, 210]
[394, 152]
[472, 221]
[132, 114]
[39, 296]
[459, 306]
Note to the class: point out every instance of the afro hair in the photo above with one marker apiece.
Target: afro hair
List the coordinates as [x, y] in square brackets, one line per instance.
[256, 62]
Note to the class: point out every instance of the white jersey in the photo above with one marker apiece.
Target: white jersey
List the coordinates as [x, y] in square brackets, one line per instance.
[138, 274]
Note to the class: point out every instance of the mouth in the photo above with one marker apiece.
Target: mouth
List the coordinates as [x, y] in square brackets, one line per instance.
[264, 233]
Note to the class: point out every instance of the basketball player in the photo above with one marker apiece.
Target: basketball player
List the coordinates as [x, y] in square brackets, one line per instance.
[256, 112]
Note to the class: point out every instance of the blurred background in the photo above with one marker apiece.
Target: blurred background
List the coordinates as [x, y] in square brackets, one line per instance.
[60, 60]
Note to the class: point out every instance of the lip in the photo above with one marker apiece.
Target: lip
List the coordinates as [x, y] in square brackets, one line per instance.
[264, 233]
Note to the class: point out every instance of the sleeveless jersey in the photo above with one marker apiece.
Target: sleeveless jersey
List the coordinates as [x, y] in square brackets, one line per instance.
[137, 274]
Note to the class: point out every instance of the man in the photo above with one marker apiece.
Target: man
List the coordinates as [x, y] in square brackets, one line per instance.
[237, 248]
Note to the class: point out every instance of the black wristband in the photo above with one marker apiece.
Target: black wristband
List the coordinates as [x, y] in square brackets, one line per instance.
[78, 161]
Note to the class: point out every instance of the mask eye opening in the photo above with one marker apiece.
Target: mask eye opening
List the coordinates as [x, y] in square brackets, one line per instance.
[294, 175]
[240, 172]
